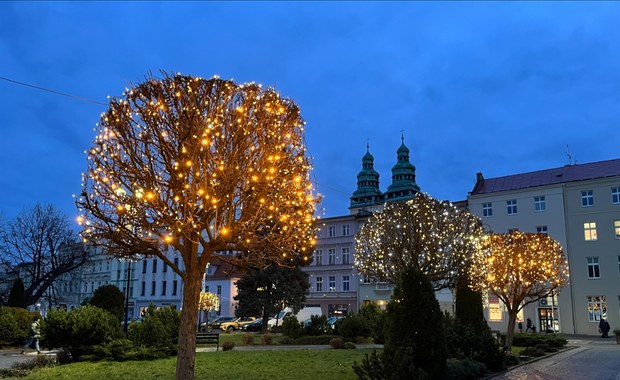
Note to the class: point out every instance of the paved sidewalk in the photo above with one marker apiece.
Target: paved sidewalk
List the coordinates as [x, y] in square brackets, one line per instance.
[10, 357]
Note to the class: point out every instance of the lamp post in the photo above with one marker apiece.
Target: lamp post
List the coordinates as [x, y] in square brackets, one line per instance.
[127, 295]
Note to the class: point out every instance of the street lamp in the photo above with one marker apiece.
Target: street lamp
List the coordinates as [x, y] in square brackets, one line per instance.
[127, 295]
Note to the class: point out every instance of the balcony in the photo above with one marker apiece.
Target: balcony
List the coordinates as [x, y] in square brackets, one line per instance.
[383, 287]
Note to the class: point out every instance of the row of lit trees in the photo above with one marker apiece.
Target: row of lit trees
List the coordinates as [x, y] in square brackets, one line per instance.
[206, 165]
[446, 244]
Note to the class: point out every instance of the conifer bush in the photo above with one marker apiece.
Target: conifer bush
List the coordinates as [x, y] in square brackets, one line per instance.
[80, 329]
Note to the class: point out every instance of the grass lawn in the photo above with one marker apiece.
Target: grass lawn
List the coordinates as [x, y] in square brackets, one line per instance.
[297, 364]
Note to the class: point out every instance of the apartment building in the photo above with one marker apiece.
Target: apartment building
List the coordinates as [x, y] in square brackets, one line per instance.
[333, 278]
[579, 206]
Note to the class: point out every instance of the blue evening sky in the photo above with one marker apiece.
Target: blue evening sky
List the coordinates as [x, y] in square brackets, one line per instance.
[496, 87]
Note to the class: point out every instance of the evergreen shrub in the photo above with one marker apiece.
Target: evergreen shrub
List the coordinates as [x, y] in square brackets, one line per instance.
[353, 326]
[465, 369]
[292, 328]
[80, 329]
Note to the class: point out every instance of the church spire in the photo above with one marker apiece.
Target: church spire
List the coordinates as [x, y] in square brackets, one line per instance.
[367, 193]
[403, 176]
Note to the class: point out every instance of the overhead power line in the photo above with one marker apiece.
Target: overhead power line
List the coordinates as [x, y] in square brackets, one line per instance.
[80, 98]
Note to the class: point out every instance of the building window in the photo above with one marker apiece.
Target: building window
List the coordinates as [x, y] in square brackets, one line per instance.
[345, 230]
[176, 262]
[163, 287]
[331, 256]
[597, 307]
[495, 310]
[332, 231]
[332, 283]
[153, 285]
[511, 206]
[118, 274]
[615, 195]
[174, 287]
[165, 268]
[541, 229]
[587, 198]
[594, 270]
[318, 257]
[144, 266]
[345, 256]
[143, 288]
[487, 209]
[589, 231]
[345, 283]
[539, 203]
[319, 284]
[219, 290]
[207, 288]
[617, 228]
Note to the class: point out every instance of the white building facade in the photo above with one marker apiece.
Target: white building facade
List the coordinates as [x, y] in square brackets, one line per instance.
[575, 205]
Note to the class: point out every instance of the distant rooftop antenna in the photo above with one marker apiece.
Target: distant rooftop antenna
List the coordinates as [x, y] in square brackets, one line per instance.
[570, 157]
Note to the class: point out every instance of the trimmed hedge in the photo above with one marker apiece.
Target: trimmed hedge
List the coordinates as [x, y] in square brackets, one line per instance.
[532, 340]
[315, 339]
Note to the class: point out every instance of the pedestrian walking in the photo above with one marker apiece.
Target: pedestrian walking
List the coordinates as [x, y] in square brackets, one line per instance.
[520, 327]
[603, 328]
[35, 335]
[528, 325]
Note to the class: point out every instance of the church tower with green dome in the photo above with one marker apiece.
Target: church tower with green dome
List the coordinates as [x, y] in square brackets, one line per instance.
[367, 196]
[403, 185]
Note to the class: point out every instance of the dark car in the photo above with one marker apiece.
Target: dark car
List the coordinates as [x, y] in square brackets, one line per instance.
[215, 324]
[257, 325]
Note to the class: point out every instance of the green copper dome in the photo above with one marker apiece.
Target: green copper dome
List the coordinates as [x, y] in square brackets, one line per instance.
[367, 192]
[403, 177]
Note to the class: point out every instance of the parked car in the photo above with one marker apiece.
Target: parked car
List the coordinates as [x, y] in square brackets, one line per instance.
[215, 324]
[236, 324]
[253, 326]
[331, 322]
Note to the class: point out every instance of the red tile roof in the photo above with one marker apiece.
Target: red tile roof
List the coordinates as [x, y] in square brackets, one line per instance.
[568, 173]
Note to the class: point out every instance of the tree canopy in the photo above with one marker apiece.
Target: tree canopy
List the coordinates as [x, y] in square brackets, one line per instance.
[436, 237]
[202, 165]
[266, 291]
[521, 268]
[39, 247]
[111, 299]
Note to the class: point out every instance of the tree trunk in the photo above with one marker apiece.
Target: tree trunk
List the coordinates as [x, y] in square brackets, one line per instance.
[187, 331]
[510, 331]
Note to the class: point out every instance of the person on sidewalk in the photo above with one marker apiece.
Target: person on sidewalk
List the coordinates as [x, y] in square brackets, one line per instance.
[603, 328]
[35, 335]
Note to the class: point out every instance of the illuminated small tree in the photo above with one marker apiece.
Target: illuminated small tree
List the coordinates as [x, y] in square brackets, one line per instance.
[435, 237]
[204, 166]
[521, 268]
[208, 301]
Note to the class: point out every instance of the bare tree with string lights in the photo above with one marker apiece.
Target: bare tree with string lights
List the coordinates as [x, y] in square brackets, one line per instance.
[436, 237]
[520, 268]
[202, 165]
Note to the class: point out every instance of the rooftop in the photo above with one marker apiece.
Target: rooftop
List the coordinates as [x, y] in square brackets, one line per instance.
[564, 174]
